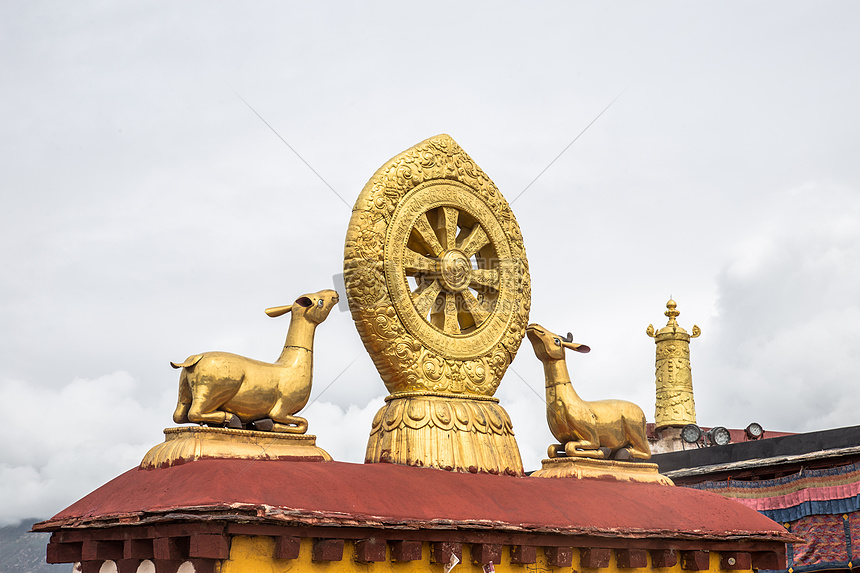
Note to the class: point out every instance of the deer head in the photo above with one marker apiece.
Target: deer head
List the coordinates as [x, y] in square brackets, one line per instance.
[550, 346]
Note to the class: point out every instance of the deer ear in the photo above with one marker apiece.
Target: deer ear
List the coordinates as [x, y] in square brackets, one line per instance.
[577, 347]
[279, 310]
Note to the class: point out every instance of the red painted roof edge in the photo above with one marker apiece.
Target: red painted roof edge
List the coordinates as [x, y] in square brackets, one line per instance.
[391, 496]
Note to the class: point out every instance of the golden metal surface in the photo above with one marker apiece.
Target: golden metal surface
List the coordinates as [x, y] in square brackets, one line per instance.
[222, 388]
[598, 429]
[194, 443]
[436, 273]
[601, 469]
[438, 285]
[675, 405]
[445, 431]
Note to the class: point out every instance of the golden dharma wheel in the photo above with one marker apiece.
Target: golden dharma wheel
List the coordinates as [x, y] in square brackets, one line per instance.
[436, 273]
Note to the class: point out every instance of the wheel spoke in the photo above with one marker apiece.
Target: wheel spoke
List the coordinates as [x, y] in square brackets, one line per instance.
[484, 278]
[447, 224]
[452, 325]
[427, 236]
[414, 263]
[479, 314]
[426, 296]
[476, 240]
[444, 317]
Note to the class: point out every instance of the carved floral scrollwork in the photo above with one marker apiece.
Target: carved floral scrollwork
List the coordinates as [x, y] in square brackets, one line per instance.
[433, 370]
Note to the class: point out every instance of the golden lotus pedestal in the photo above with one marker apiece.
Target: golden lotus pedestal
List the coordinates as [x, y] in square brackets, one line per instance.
[587, 468]
[186, 444]
[466, 433]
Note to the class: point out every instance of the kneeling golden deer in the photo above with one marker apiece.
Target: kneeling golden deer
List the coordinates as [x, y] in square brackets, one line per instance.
[599, 429]
[220, 388]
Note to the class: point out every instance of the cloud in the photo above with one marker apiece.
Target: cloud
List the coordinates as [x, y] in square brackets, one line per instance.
[342, 432]
[783, 347]
[62, 443]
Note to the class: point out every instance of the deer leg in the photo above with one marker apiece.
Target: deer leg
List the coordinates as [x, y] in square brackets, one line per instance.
[203, 410]
[284, 420]
[630, 453]
[216, 418]
[183, 403]
[624, 454]
[588, 446]
[576, 450]
[638, 446]
[290, 424]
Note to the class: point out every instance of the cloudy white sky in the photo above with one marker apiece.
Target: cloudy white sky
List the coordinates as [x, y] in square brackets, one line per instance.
[149, 214]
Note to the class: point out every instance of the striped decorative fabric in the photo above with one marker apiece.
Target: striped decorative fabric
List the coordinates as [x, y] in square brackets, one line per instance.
[822, 506]
[810, 492]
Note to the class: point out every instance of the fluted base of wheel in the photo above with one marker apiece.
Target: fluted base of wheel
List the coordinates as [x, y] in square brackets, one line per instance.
[446, 431]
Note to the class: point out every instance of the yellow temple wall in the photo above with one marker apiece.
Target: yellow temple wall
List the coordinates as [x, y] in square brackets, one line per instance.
[255, 554]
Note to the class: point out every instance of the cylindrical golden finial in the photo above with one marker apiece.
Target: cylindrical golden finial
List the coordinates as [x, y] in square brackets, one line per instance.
[675, 405]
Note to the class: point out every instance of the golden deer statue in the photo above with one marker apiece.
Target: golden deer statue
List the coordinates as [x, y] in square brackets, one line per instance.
[220, 388]
[599, 429]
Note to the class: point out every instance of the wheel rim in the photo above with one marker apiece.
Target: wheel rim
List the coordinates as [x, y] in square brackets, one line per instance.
[449, 269]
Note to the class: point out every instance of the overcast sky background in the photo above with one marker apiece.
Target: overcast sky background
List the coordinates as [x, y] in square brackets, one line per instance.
[148, 214]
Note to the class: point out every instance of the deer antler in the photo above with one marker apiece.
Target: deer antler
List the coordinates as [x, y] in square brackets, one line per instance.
[568, 338]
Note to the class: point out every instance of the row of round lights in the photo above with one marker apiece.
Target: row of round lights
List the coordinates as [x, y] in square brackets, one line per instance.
[718, 435]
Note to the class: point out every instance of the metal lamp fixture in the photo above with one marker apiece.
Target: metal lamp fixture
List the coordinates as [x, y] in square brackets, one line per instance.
[718, 436]
[754, 431]
[691, 433]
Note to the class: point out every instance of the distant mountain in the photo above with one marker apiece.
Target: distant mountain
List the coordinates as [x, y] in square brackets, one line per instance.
[23, 552]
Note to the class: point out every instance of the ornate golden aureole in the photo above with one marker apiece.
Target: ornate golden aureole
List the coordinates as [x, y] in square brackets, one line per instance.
[438, 285]
[194, 443]
[675, 405]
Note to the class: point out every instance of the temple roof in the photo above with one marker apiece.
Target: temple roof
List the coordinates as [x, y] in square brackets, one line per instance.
[398, 497]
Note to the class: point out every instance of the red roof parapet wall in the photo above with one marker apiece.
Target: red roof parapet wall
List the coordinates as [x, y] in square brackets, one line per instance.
[190, 511]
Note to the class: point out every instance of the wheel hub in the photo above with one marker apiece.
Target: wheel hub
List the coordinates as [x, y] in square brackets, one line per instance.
[456, 269]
